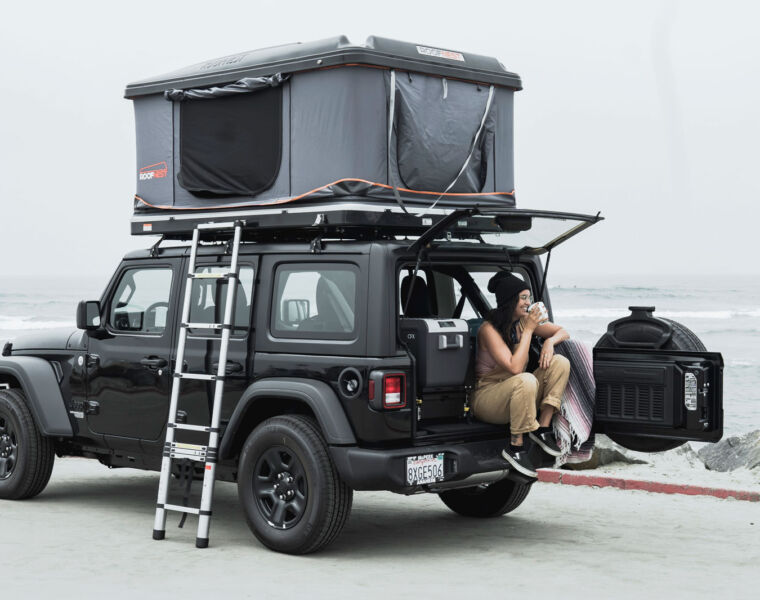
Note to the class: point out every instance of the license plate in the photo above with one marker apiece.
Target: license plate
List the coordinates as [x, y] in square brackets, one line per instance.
[427, 468]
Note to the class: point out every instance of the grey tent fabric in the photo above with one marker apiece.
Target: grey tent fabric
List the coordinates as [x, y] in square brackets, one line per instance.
[242, 86]
[437, 126]
[336, 118]
[336, 138]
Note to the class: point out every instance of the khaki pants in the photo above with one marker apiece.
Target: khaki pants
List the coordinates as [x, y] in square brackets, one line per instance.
[501, 397]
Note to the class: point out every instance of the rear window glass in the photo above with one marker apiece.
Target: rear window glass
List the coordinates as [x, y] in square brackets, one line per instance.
[315, 301]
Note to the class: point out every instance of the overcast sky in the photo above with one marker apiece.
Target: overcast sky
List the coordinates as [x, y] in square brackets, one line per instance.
[645, 111]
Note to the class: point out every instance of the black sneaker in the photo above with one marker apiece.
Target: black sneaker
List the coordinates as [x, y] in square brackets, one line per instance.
[518, 459]
[546, 441]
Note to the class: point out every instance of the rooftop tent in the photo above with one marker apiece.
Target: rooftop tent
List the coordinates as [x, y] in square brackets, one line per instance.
[383, 122]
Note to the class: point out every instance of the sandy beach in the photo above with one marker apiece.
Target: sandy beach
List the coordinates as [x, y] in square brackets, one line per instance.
[89, 534]
[681, 465]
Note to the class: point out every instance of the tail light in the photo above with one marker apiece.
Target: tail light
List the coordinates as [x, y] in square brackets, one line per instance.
[394, 390]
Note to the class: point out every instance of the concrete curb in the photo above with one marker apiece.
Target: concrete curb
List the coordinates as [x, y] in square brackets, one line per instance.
[660, 487]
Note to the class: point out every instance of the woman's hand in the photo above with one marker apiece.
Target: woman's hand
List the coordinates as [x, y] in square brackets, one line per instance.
[534, 318]
[547, 353]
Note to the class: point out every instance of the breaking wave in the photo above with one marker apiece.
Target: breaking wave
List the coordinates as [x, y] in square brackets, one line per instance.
[617, 313]
[27, 323]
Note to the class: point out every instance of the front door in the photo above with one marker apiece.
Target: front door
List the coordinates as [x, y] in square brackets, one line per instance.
[129, 374]
[207, 305]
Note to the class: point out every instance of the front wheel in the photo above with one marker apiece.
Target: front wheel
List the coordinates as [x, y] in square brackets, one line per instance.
[486, 501]
[292, 495]
[26, 456]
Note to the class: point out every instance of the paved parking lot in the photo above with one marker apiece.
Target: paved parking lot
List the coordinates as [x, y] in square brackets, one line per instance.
[89, 535]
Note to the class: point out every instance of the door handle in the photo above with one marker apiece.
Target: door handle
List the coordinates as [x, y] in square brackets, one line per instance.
[230, 368]
[154, 362]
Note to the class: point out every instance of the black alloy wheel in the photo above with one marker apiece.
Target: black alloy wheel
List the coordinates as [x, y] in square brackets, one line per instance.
[293, 497]
[280, 488]
[26, 456]
[8, 447]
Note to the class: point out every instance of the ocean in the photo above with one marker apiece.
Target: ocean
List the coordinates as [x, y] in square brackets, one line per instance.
[723, 311]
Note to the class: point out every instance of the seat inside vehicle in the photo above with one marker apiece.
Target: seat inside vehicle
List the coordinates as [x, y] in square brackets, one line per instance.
[418, 305]
[333, 311]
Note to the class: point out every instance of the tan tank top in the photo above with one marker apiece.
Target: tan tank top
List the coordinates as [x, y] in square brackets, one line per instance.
[484, 362]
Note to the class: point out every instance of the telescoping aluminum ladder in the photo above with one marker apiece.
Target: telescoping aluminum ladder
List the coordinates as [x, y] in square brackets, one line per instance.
[179, 451]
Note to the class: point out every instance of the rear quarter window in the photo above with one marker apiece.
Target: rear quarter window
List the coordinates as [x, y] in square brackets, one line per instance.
[315, 301]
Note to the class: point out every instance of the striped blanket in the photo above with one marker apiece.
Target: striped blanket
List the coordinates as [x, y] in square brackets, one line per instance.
[572, 425]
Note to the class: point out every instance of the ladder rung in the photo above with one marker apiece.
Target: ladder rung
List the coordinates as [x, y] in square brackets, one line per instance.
[220, 275]
[191, 451]
[201, 376]
[188, 455]
[206, 326]
[187, 427]
[224, 225]
[185, 509]
[184, 446]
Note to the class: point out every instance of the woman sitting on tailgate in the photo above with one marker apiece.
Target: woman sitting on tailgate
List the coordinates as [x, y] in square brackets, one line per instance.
[505, 393]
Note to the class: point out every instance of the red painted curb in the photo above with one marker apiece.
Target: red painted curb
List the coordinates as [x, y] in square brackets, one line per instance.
[569, 478]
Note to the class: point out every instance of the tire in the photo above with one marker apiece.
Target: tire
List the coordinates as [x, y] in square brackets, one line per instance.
[639, 444]
[26, 456]
[287, 456]
[484, 502]
[682, 338]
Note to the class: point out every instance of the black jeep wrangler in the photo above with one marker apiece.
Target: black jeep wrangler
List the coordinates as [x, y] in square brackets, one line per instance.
[374, 187]
[350, 365]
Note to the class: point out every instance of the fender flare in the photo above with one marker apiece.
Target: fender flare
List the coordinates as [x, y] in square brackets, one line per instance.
[40, 385]
[316, 394]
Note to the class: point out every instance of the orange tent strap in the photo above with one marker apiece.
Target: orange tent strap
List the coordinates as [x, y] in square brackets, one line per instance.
[322, 187]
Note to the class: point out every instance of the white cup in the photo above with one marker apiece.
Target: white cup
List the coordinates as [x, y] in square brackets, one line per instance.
[544, 318]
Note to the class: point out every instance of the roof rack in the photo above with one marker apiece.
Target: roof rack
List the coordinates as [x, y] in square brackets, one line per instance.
[357, 220]
[371, 221]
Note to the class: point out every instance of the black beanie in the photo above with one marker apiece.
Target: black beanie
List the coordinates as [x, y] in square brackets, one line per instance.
[506, 286]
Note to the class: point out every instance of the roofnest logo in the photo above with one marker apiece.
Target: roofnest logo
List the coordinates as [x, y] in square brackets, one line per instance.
[225, 61]
[156, 171]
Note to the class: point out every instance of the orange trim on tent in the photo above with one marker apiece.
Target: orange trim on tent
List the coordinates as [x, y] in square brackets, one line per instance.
[318, 189]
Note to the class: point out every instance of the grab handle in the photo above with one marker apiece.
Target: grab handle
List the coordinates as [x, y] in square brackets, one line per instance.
[445, 344]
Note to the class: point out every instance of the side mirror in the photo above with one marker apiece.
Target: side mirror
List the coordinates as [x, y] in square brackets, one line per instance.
[294, 311]
[88, 315]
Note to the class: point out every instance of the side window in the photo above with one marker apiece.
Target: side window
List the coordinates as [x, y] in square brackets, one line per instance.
[141, 301]
[315, 301]
[208, 299]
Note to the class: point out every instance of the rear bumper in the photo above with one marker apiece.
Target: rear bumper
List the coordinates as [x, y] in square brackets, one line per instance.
[465, 464]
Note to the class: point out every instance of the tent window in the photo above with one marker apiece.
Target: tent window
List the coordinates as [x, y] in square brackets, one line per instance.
[435, 128]
[231, 146]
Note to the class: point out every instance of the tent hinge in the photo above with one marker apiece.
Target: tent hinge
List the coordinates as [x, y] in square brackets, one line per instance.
[154, 247]
[316, 246]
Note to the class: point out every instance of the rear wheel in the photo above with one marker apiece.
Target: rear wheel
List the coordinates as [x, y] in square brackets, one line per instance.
[486, 501]
[682, 338]
[292, 495]
[26, 456]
